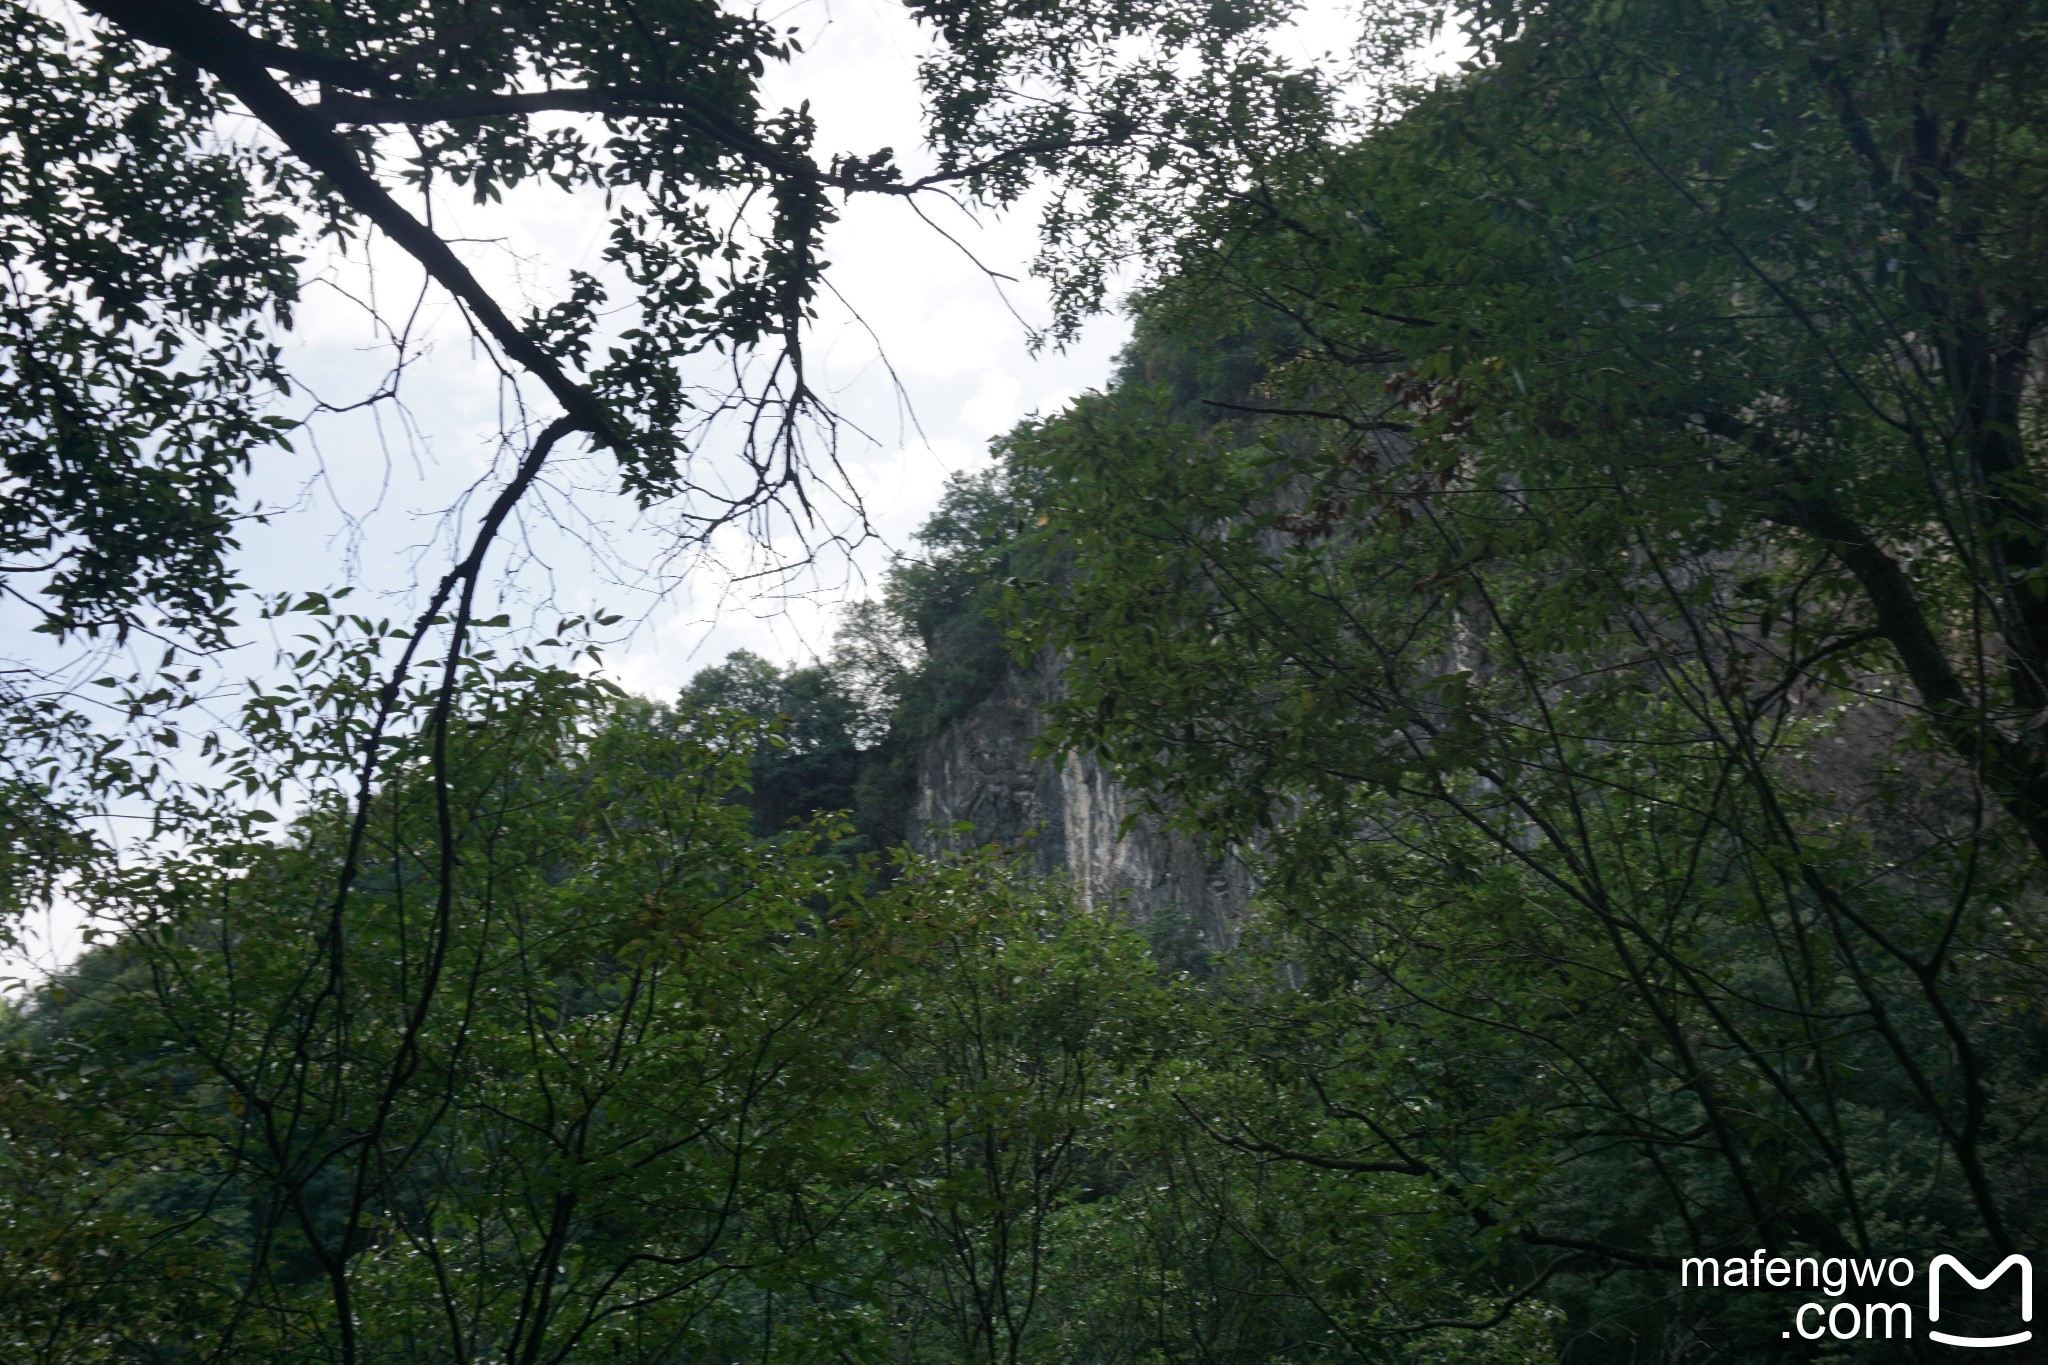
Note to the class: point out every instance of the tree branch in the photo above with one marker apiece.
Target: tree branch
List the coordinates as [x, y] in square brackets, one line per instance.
[1328, 1163]
[1961, 721]
[634, 101]
[667, 102]
[209, 40]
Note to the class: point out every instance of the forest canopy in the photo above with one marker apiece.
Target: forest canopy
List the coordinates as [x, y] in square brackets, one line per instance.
[1581, 540]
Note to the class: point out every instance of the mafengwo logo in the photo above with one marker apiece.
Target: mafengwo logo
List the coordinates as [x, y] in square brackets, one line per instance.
[2015, 1261]
[1865, 1319]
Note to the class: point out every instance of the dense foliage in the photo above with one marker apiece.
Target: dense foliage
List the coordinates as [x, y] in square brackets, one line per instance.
[1584, 544]
[605, 1077]
[1611, 619]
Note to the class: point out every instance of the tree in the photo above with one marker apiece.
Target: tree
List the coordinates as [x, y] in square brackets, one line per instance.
[685, 1093]
[1611, 620]
[582, 1048]
[1004, 1063]
[809, 757]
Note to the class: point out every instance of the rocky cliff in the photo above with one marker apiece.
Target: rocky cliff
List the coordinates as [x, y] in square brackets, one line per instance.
[980, 772]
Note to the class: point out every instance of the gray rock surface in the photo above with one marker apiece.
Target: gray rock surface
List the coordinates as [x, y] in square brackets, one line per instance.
[1069, 818]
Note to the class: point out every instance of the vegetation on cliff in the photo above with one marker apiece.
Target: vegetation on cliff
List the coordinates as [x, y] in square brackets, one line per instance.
[1614, 622]
[1584, 541]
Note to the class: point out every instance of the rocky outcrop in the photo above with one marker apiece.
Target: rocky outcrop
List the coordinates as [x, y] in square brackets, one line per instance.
[980, 772]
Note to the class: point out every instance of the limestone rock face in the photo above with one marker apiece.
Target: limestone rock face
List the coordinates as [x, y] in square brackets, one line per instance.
[1068, 818]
